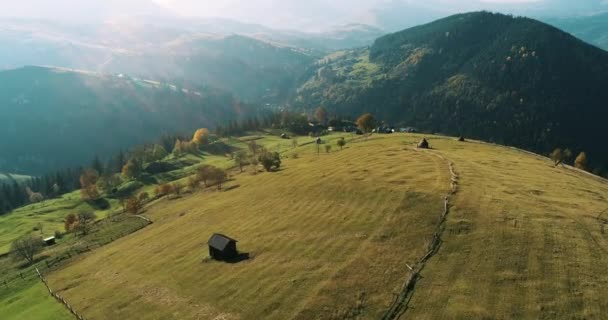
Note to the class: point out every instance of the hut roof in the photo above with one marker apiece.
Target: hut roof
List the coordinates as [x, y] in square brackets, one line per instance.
[48, 239]
[219, 241]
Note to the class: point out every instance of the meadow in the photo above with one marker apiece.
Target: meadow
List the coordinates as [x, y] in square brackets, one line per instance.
[332, 236]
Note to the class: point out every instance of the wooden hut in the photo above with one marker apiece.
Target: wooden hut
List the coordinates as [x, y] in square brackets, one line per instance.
[423, 144]
[222, 247]
[49, 241]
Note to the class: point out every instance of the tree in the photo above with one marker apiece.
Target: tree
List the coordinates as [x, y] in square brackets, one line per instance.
[294, 143]
[176, 188]
[26, 248]
[270, 160]
[97, 165]
[85, 220]
[581, 161]
[132, 169]
[70, 222]
[193, 182]
[163, 190]
[240, 158]
[557, 156]
[88, 185]
[341, 143]
[254, 164]
[159, 152]
[218, 176]
[321, 115]
[204, 173]
[366, 122]
[134, 205]
[144, 196]
[178, 149]
[109, 183]
[327, 148]
[201, 137]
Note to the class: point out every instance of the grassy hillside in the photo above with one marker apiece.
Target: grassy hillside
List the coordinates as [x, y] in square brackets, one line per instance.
[513, 81]
[54, 118]
[332, 235]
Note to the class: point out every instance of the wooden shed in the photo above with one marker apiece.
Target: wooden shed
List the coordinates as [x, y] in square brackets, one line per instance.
[222, 247]
[49, 241]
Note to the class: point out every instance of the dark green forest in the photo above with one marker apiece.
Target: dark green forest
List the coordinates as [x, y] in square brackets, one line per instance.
[504, 79]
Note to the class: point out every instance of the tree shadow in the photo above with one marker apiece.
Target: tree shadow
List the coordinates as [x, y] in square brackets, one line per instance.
[99, 204]
[236, 186]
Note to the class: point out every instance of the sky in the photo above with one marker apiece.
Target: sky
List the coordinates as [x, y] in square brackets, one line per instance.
[295, 14]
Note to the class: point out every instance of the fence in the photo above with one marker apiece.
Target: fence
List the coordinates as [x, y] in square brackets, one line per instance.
[400, 304]
[57, 297]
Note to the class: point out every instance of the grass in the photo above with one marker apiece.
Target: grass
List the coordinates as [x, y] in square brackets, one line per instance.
[31, 300]
[330, 236]
[323, 231]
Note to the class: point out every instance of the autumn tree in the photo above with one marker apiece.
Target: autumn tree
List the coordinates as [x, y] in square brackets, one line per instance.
[88, 185]
[341, 143]
[70, 222]
[163, 190]
[201, 137]
[321, 115]
[270, 160]
[108, 183]
[581, 161]
[366, 122]
[134, 204]
[177, 188]
[132, 169]
[26, 248]
[144, 196]
[85, 221]
[34, 197]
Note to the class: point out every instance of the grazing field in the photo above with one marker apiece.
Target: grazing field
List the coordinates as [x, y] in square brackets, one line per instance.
[328, 235]
[331, 236]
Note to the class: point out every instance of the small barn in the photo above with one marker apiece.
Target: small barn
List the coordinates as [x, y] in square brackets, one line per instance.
[49, 241]
[222, 247]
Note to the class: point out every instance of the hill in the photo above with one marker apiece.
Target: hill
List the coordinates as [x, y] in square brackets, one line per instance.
[593, 29]
[54, 118]
[513, 81]
[332, 235]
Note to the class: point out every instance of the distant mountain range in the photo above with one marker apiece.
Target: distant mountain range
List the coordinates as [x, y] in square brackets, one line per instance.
[514, 81]
[593, 29]
[54, 118]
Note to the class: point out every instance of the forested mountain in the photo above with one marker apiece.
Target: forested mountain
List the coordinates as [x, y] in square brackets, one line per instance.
[52, 118]
[593, 29]
[514, 81]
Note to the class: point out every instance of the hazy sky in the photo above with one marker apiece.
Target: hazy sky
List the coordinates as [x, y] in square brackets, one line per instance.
[293, 13]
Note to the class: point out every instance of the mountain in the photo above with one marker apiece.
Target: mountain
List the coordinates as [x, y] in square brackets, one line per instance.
[593, 29]
[54, 118]
[513, 81]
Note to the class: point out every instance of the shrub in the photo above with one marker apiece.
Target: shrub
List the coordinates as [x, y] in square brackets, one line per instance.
[327, 148]
[341, 143]
[58, 234]
[270, 160]
[144, 196]
[581, 161]
[134, 205]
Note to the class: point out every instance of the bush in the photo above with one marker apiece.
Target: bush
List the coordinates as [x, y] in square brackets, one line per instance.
[58, 234]
[327, 148]
[270, 160]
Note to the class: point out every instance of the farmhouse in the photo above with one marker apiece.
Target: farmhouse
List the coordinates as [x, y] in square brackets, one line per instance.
[222, 247]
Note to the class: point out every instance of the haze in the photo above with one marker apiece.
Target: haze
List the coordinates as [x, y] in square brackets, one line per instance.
[295, 14]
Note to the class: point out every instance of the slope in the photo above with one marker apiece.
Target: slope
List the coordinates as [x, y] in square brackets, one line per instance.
[513, 81]
[323, 233]
[333, 235]
[54, 118]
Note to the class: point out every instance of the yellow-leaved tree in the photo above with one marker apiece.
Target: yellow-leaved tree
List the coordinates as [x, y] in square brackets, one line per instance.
[201, 136]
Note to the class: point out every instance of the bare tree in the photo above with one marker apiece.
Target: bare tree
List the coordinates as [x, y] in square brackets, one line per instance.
[25, 248]
[85, 220]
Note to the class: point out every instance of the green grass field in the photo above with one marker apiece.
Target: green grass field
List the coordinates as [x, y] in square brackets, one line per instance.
[330, 236]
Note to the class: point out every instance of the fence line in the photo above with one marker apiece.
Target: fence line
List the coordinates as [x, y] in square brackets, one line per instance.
[59, 298]
[400, 304]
